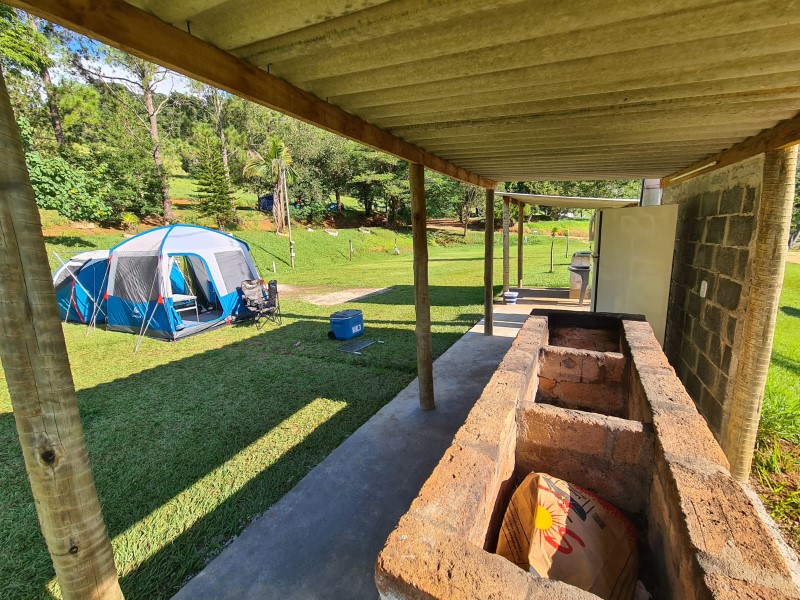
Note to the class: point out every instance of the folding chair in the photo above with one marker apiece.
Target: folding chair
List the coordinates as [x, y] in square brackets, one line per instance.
[262, 301]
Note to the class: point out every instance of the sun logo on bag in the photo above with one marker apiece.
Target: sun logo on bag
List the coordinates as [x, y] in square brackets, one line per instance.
[542, 519]
[550, 522]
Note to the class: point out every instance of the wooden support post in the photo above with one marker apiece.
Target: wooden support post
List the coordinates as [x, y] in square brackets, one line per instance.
[506, 269]
[422, 299]
[36, 365]
[768, 260]
[520, 240]
[488, 265]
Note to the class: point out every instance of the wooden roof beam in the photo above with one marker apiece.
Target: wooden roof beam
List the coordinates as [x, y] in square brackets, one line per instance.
[132, 30]
[783, 135]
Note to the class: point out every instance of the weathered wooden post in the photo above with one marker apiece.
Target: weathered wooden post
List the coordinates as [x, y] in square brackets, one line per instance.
[422, 299]
[768, 264]
[36, 365]
[506, 269]
[520, 240]
[488, 265]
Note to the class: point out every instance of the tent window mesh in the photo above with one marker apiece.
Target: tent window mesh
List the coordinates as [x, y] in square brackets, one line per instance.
[136, 278]
[233, 267]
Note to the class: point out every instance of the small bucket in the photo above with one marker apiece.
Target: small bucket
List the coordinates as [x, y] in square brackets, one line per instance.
[510, 297]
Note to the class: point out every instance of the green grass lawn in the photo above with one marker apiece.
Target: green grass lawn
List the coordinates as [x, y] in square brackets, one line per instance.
[776, 468]
[190, 440]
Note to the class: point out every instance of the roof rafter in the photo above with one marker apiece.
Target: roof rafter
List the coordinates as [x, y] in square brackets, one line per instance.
[783, 135]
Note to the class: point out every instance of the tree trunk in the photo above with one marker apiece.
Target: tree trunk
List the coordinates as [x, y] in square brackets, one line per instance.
[767, 260]
[154, 138]
[552, 251]
[55, 116]
[223, 144]
[34, 356]
[367, 208]
[277, 206]
[393, 213]
[339, 203]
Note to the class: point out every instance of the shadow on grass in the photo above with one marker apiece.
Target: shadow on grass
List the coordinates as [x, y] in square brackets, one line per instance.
[786, 362]
[791, 311]
[274, 256]
[157, 434]
[69, 240]
[440, 295]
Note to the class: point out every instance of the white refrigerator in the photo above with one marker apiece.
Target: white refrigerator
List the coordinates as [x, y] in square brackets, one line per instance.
[632, 255]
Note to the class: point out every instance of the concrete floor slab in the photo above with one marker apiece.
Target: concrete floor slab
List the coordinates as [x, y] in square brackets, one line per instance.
[321, 539]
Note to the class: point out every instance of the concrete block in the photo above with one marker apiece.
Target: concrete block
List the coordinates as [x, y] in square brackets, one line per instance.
[715, 230]
[709, 203]
[729, 293]
[740, 230]
[750, 195]
[731, 202]
[725, 260]
[705, 256]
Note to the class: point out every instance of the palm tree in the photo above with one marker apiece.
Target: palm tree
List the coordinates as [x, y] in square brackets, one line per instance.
[275, 166]
[36, 365]
[767, 261]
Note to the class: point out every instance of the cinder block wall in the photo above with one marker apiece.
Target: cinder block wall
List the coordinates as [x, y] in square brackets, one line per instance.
[713, 243]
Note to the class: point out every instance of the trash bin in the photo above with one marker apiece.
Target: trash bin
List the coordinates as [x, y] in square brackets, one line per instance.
[346, 324]
[579, 259]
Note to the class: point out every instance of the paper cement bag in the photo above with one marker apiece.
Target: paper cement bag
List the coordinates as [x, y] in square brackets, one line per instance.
[558, 530]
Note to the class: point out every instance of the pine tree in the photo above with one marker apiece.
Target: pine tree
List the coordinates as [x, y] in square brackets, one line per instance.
[213, 193]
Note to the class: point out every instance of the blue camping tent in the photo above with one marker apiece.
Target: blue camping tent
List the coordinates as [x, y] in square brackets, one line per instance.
[177, 280]
[80, 285]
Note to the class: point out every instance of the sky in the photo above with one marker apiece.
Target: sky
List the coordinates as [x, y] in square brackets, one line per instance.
[173, 82]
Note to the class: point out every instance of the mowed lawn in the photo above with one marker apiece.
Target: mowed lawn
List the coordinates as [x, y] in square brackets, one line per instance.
[191, 440]
[777, 466]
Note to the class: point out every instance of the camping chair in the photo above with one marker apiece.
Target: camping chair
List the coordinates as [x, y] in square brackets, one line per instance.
[262, 301]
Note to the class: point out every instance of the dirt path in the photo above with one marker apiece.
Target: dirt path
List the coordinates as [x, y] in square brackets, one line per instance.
[793, 257]
[325, 296]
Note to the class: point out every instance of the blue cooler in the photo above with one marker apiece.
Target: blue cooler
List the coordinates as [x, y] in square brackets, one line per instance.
[347, 324]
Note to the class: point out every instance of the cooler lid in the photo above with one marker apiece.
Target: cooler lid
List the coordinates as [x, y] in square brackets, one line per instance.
[346, 314]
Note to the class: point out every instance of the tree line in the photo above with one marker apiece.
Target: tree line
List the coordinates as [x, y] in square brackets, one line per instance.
[103, 134]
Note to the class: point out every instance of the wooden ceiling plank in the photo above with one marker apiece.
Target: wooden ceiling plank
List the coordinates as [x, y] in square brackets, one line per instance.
[132, 30]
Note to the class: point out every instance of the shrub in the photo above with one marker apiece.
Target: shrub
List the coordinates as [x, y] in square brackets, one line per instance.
[71, 191]
[129, 222]
[312, 211]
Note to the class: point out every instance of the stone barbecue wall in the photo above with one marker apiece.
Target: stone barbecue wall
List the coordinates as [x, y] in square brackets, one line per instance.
[713, 243]
[700, 536]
